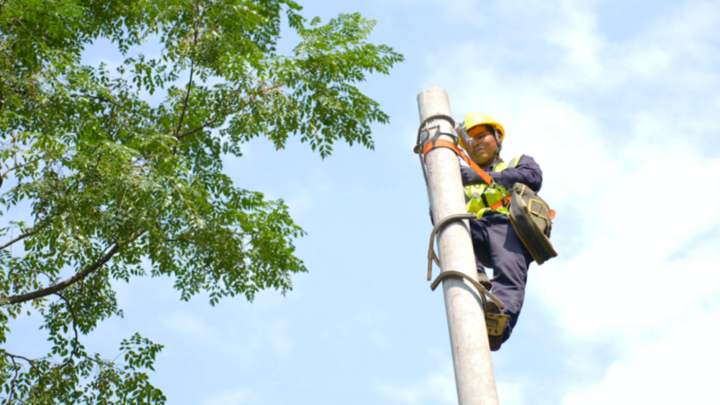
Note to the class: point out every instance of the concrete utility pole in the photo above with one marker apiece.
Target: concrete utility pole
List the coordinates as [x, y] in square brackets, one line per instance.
[468, 336]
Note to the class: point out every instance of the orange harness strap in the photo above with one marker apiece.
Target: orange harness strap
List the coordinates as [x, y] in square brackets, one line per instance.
[442, 143]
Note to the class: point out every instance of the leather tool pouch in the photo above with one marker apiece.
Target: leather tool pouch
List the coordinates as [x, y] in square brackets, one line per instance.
[530, 216]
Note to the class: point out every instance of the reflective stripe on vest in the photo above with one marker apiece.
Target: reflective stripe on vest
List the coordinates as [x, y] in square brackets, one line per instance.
[480, 197]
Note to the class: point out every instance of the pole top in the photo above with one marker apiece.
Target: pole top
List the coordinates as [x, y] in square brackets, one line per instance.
[433, 101]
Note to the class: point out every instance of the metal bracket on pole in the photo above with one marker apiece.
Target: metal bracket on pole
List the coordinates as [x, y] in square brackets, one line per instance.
[444, 127]
[432, 257]
[481, 288]
[495, 323]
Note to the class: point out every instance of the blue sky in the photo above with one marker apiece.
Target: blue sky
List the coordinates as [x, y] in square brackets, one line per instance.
[619, 104]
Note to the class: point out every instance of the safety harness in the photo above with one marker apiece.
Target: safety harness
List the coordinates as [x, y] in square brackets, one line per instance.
[442, 143]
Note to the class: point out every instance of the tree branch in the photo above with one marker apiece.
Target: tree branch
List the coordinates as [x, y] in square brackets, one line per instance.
[192, 131]
[192, 70]
[250, 100]
[23, 236]
[187, 97]
[17, 167]
[51, 278]
[212, 121]
[32, 364]
[180, 240]
[16, 299]
[12, 383]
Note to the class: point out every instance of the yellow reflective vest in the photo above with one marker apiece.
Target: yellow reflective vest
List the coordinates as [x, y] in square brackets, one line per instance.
[480, 197]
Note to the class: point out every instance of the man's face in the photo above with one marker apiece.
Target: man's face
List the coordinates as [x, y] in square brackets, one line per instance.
[484, 146]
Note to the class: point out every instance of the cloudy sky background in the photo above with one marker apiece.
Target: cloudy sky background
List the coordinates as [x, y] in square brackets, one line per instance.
[619, 104]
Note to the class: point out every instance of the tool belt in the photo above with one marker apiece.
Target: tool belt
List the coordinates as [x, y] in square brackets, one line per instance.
[531, 217]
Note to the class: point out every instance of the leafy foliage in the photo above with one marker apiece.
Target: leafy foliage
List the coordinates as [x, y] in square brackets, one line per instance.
[116, 182]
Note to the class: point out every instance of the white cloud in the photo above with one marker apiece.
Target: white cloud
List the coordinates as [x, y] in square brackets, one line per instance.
[626, 278]
[303, 198]
[368, 325]
[192, 326]
[512, 393]
[437, 387]
[678, 368]
[577, 37]
[269, 336]
[278, 335]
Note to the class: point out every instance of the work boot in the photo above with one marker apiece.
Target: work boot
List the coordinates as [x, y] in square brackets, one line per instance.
[484, 280]
[495, 323]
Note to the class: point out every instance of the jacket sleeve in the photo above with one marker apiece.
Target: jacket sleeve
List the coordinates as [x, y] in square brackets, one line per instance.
[527, 172]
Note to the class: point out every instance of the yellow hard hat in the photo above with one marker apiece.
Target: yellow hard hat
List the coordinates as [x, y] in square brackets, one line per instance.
[475, 119]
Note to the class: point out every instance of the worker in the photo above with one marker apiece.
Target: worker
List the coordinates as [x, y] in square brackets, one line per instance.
[495, 242]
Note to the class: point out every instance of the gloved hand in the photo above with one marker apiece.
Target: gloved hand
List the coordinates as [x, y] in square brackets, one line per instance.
[469, 176]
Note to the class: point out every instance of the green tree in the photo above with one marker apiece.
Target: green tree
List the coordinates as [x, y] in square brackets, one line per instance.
[115, 181]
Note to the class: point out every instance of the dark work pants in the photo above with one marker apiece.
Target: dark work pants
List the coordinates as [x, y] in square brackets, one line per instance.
[497, 246]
